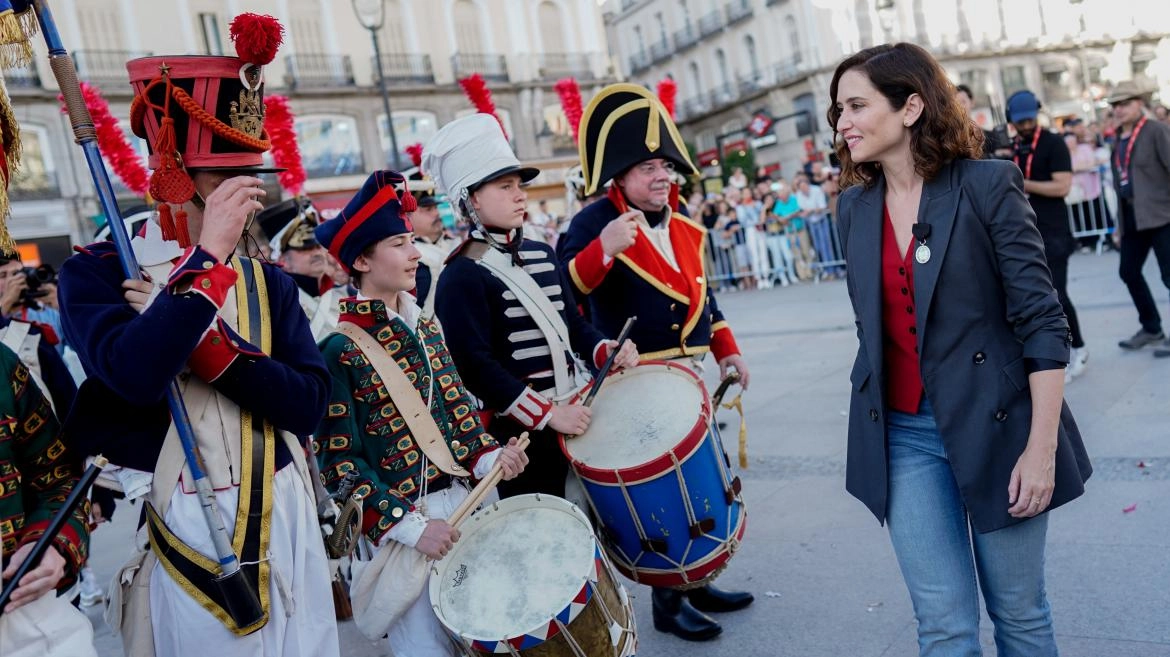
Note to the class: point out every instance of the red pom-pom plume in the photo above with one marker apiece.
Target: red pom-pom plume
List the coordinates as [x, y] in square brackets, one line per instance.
[415, 152]
[481, 97]
[123, 158]
[667, 90]
[257, 37]
[279, 124]
[570, 95]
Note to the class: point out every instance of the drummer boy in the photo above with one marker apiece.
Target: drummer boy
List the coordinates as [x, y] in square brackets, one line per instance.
[506, 309]
[408, 490]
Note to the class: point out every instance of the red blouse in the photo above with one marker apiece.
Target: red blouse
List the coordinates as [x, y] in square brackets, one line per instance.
[899, 323]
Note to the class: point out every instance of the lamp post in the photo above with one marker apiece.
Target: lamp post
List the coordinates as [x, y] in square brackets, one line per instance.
[372, 15]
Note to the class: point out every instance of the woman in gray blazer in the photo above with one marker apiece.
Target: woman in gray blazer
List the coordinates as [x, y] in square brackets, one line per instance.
[959, 439]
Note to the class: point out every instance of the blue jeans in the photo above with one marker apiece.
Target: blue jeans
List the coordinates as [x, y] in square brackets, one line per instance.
[945, 564]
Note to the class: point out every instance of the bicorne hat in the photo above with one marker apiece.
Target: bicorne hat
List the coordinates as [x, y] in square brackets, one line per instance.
[623, 125]
[289, 225]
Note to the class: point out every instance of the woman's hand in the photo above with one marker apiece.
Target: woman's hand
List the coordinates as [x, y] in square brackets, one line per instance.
[1033, 480]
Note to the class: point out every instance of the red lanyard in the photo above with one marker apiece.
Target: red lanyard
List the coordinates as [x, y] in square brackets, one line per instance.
[1123, 167]
[1031, 154]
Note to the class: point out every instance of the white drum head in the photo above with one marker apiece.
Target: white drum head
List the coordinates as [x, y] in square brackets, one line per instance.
[519, 562]
[638, 415]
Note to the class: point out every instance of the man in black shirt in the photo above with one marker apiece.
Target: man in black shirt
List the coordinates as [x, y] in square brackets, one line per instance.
[1044, 159]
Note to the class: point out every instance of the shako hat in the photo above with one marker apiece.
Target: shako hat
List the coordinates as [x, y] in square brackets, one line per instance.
[203, 112]
[469, 152]
[372, 215]
[625, 124]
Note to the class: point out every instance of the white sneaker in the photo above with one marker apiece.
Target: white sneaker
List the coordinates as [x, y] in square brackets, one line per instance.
[91, 593]
[1076, 364]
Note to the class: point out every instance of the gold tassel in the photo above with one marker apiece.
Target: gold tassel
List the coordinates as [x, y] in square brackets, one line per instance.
[10, 138]
[15, 49]
[737, 404]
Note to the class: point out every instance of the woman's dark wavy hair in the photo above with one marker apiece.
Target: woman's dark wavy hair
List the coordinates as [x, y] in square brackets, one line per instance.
[941, 134]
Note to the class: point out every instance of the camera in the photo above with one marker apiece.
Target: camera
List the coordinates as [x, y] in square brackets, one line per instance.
[35, 278]
[999, 140]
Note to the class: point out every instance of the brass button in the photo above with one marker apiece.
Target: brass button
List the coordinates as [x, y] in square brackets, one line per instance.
[205, 283]
[384, 504]
[1001, 415]
[454, 444]
[674, 327]
[979, 358]
[215, 340]
[673, 306]
[397, 512]
[873, 414]
[207, 264]
[698, 279]
[235, 344]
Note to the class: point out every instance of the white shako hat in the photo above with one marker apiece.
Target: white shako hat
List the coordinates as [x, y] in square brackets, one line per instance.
[468, 152]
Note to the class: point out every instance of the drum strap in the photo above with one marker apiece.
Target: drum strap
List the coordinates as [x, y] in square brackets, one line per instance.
[407, 400]
[194, 572]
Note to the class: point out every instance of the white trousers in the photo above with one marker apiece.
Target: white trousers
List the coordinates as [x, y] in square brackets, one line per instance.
[418, 632]
[46, 627]
[301, 618]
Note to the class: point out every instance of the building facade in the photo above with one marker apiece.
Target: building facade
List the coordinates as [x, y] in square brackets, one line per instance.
[737, 60]
[327, 69]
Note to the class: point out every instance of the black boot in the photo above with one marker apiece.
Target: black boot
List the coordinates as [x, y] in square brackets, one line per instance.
[673, 614]
[710, 599]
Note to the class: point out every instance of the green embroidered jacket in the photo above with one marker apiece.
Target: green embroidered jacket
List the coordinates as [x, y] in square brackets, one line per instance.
[364, 431]
[37, 472]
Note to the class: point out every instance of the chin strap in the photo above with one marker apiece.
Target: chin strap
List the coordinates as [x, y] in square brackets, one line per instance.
[512, 238]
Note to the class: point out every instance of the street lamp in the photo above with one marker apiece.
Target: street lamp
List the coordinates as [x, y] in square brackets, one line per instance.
[372, 15]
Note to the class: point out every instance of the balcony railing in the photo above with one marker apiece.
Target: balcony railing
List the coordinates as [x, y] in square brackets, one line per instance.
[25, 77]
[400, 68]
[738, 10]
[490, 66]
[318, 71]
[694, 106]
[711, 23]
[660, 51]
[639, 62]
[105, 67]
[750, 83]
[789, 71]
[723, 94]
[685, 38]
[557, 65]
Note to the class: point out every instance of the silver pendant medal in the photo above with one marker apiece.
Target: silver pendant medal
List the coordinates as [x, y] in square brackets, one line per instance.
[922, 254]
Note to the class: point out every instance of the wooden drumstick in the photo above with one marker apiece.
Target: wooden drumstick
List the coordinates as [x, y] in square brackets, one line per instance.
[604, 371]
[485, 486]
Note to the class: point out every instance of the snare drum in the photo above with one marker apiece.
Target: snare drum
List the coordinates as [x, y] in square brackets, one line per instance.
[656, 476]
[528, 577]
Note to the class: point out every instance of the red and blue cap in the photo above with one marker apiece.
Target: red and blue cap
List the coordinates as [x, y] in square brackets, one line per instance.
[373, 214]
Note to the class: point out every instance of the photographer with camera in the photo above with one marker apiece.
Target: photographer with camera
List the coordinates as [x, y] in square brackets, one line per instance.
[25, 332]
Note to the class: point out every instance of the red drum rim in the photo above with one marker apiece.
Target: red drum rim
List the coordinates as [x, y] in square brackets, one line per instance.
[694, 575]
[659, 465]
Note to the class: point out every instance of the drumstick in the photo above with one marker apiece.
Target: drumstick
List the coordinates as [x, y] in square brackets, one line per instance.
[482, 488]
[604, 372]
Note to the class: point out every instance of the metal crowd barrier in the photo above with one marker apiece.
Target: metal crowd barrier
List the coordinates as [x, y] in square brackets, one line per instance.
[1091, 220]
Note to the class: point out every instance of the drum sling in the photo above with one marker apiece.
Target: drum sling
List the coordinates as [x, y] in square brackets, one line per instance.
[197, 574]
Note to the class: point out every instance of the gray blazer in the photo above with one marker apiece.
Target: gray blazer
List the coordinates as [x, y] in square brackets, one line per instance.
[1150, 169]
[985, 303]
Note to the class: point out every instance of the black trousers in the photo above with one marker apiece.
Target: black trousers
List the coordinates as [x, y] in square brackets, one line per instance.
[547, 466]
[1135, 248]
[1057, 253]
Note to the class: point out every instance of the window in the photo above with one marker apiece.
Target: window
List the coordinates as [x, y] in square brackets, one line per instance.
[976, 79]
[552, 31]
[749, 45]
[329, 145]
[1013, 79]
[661, 27]
[37, 177]
[468, 28]
[721, 64]
[639, 42]
[793, 38]
[696, 78]
[806, 124]
[556, 125]
[212, 43]
[410, 127]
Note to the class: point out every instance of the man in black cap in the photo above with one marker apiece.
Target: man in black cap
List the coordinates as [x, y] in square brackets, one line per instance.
[432, 241]
[289, 227]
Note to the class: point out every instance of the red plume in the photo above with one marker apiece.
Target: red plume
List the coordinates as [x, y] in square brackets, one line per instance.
[570, 95]
[278, 123]
[667, 90]
[481, 97]
[415, 152]
[257, 37]
[123, 158]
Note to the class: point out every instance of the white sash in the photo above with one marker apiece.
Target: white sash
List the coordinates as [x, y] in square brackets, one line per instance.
[546, 317]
